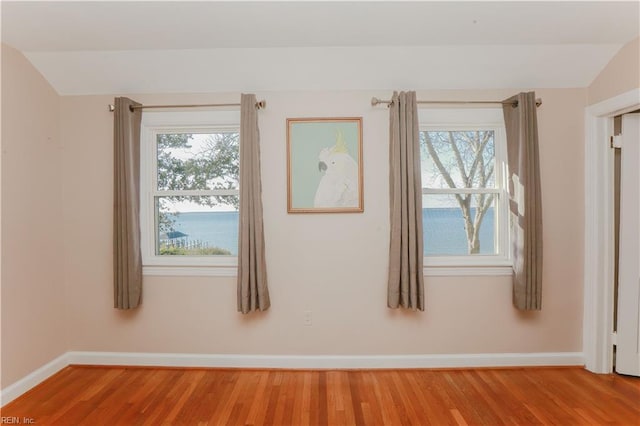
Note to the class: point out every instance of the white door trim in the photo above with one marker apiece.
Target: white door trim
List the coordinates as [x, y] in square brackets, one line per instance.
[599, 233]
[627, 358]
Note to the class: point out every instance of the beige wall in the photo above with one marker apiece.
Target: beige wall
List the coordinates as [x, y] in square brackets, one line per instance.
[333, 265]
[620, 75]
[33, 304]
[56, 267]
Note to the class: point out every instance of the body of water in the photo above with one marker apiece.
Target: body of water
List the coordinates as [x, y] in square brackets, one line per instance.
[444, 232]
[219, 229]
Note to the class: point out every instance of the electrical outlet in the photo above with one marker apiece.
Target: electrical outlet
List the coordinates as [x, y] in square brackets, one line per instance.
[307, 318]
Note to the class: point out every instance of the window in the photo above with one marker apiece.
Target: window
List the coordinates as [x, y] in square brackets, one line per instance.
[463, 189]
[189, 189]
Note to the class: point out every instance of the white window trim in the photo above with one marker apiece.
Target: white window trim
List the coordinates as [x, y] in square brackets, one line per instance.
[190, 271]
[154, 123]
[468, 271]
[499, 264]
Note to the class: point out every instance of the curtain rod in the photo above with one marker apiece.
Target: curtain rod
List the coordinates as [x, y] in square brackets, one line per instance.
[375, 101]
[260, 105]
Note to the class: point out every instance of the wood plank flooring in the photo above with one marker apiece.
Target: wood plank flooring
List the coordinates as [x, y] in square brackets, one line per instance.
[145, 396]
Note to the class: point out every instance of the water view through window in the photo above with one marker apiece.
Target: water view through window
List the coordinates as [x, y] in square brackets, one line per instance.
[444, 232]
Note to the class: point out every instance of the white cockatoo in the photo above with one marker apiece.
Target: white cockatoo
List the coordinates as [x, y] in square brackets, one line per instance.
[338, 186]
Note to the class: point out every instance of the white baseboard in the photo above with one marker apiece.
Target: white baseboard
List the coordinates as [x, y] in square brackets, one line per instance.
[327, 361]
[539, 359]
[31, 380]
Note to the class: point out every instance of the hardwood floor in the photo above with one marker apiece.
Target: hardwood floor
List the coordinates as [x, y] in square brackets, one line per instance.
[144, 396]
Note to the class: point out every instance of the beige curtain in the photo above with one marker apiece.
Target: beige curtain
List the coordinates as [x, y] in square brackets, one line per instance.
[525, 204]
[406, 282]
[127, 257]
[253, 293]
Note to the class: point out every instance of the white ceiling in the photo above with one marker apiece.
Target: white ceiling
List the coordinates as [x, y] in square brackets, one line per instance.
[140, 47]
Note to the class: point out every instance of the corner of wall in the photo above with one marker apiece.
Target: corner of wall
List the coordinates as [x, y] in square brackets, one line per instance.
[619, 76]
[33, 303]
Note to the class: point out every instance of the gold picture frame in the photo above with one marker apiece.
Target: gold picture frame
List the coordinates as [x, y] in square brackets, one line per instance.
[324, 165]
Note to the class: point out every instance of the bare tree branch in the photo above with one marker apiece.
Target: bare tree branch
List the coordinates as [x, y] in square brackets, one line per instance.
[443, 170]
[474, 147]
[478, 153]
[456, 152]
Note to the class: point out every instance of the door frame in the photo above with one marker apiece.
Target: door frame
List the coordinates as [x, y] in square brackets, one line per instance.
[597, 325]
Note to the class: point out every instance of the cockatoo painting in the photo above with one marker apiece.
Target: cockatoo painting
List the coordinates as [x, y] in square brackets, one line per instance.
[324, 165]
[338, 186]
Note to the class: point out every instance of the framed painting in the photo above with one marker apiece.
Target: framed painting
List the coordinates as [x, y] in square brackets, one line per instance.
[324, 165]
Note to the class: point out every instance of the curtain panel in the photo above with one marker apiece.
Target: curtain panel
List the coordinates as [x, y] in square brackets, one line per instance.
[127, 256]
[253, 292]
[406, 280]
[525, 199]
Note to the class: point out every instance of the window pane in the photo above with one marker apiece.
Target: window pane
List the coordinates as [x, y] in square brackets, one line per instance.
[448, 233]
[198, 161]
[197, 226]
[458, 159]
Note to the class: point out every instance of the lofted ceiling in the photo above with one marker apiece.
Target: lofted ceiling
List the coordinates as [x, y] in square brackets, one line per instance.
[95, 47]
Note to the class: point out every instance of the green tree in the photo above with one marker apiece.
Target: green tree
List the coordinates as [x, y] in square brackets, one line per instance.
[214, 166]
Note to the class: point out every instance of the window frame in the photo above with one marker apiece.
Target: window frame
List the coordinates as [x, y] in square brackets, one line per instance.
[159, 122]
[465, 119]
